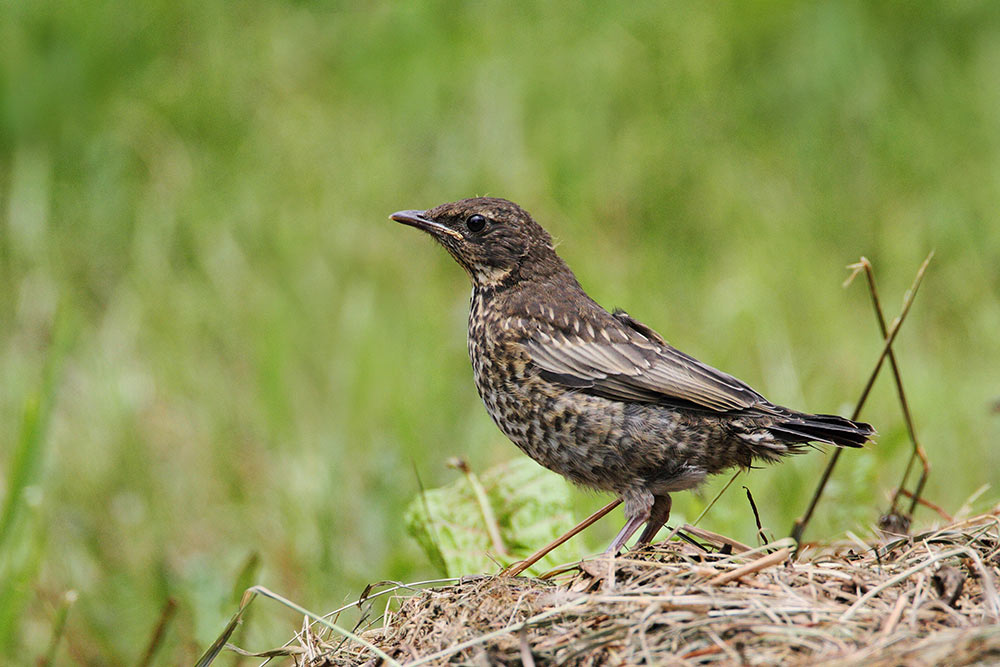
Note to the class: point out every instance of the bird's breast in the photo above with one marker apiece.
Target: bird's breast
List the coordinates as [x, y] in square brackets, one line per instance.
[501, 369]
[540, 418]
[592, 440]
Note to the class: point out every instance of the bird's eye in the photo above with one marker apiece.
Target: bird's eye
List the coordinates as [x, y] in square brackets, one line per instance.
[475, 223]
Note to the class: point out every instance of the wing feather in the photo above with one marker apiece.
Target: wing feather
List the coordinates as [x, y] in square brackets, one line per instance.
[645, 368]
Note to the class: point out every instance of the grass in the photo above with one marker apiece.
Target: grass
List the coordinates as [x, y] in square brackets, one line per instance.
[929, 597]
[22, 530]
[260, 359]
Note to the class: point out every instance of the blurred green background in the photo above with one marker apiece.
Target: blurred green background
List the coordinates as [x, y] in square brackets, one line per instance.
[246, 357]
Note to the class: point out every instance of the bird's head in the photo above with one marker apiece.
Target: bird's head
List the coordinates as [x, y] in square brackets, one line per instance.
[492, 239]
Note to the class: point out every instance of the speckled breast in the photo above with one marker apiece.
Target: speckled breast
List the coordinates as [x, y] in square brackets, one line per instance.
[499, 377]
[579, 436]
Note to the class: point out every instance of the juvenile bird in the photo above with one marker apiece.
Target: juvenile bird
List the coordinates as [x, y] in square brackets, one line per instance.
[600, 397]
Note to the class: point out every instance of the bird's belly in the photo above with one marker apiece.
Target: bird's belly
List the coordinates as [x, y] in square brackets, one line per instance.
[591, 440]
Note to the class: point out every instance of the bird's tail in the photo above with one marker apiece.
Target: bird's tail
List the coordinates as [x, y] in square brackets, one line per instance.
[799, 427]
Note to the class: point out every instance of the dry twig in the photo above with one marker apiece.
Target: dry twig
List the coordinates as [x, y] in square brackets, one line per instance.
[671, 604]
[889, 337]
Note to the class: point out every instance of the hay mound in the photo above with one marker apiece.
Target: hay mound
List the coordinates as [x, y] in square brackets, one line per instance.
[925, 599]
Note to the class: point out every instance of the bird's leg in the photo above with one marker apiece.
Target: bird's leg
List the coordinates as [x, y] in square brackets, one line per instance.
[637, 510]
[626, 532]
[658, 516]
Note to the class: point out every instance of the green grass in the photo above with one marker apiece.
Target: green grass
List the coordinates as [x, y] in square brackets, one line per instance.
[261, 358]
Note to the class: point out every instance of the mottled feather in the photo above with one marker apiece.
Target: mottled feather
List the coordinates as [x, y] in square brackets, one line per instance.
[642, 368]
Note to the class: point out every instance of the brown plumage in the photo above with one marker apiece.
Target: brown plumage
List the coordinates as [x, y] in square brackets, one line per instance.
[600, 397]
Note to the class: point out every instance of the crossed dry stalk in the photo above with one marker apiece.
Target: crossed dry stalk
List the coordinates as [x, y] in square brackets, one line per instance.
[889, 336]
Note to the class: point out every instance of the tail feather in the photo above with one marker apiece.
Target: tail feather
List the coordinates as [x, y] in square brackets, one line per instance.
[830, 429]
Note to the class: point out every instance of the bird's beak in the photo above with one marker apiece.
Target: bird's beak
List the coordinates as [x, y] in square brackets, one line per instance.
[420, 220]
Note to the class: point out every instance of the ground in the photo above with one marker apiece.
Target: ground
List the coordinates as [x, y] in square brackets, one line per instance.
[922, 599]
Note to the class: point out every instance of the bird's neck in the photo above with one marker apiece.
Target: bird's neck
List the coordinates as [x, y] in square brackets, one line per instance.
[529, 284]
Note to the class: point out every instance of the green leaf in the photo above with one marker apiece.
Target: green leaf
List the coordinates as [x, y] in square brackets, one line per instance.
[532, 507]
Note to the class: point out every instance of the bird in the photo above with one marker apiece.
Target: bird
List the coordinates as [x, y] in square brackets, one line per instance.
[596, 395]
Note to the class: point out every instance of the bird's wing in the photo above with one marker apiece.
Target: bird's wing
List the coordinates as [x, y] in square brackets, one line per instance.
[623, 359]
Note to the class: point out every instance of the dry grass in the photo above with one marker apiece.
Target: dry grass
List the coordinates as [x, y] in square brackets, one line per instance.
[925, 599]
